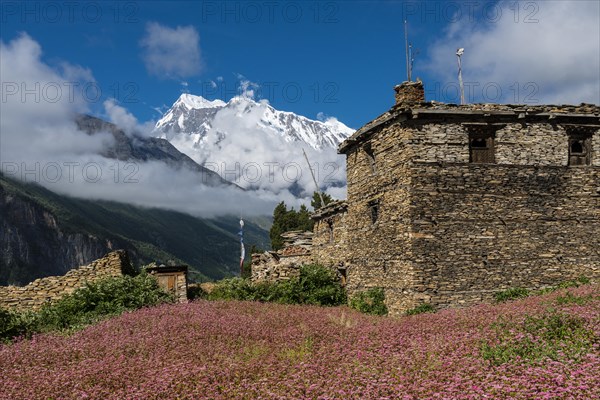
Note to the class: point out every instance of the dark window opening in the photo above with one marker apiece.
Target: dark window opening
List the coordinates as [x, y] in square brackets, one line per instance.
[374, 209]
[330, 227]
[343, 274]
[481, 148]
[580, 149]
[577, 147]
[370, 155]
[479, 143]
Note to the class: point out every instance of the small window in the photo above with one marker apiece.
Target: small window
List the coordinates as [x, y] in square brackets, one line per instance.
[481, 148]
[370, 155]
[343, 274]
[580, 150]
[374, 210]
[330, 228]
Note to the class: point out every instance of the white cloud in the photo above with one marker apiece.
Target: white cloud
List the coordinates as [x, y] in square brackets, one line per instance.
[39, 142]
[243, 149]
[247, 88]
[171, 53]
[38, 105]
[125, 120]
[554, 60]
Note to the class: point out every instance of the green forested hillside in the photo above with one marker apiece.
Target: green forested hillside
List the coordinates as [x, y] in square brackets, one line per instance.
[42, 231]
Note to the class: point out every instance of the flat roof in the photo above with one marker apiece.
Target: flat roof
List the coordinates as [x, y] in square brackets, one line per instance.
[586, 114]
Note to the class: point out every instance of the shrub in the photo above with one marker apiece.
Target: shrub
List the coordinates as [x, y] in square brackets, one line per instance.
[13, 324]
[511, 294]
[232, 289]
[370, 301]
[96, 300]
[194, 291]
[318, 285]
[315, 285]
[93, 302]
[423, 308]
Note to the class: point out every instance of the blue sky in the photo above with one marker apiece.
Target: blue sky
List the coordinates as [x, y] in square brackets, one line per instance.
[328, 58]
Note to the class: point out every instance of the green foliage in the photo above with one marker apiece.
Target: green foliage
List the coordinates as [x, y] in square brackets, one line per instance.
[569, 298]
[423, 308]
[14, 324]
[194, 291]
[370, 301]
[318, 285]
[315, 203]
[517, 293]
[232, 289]
[208, 246]
[554, 335]
[315, 285]
[511, 294]
[285, 220]
[582, 280]
[95, 301]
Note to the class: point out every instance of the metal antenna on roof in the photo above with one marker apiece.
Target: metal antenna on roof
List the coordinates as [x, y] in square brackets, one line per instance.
[459, 53]
[412, 57]
[408, 50]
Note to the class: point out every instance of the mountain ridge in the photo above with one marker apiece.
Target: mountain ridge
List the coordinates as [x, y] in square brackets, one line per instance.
[44, 233]
[193, 115]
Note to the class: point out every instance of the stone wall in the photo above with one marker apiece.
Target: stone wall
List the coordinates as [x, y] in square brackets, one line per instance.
[480, 228]
[379, 254]
[330, 235]
[52, 288]
[284, 264]
[516, 144]
[449, 232]
[410, 92]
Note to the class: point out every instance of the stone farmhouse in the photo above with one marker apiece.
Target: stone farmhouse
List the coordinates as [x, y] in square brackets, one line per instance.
[448, 204]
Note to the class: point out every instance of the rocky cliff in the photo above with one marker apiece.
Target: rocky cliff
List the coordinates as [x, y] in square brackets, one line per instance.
[33, 245]
[44, 234]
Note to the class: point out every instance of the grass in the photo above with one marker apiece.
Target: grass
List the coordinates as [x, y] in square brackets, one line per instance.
[423, 308]
[554, 335]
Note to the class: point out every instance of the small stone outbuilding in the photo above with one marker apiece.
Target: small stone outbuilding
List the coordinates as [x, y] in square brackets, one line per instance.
[172, 278]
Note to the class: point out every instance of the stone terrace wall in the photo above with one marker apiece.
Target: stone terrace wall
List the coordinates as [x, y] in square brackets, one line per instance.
[52, 288]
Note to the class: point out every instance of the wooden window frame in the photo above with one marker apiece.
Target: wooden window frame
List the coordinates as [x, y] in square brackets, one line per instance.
[583, 158]
[482, 155]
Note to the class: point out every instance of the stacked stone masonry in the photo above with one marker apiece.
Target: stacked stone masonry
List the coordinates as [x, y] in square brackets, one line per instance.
[52, 288]
[431, 221]
[448, 204]
[272, 266]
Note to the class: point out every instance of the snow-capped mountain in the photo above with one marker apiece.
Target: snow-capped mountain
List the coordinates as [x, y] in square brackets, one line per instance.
[194, 116]
[256, 146]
